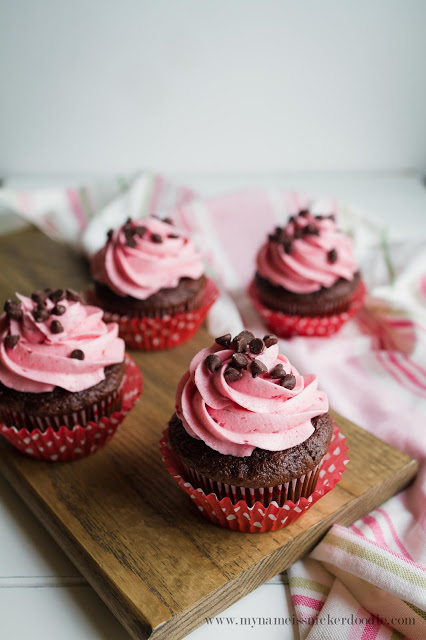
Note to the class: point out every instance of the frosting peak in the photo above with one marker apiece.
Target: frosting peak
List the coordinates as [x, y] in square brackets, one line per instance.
[308, 253]
[53, 340]
[240, 395]
[144, 256]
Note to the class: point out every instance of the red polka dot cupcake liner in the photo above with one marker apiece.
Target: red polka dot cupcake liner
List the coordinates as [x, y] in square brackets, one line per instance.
[163, 332]
[285, 325]
[262, 510]
[76, 437]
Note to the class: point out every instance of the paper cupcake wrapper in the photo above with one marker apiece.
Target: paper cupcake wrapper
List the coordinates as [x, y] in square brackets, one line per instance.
[163, 332]
[285, 325]
[261, 516]
[74, 440]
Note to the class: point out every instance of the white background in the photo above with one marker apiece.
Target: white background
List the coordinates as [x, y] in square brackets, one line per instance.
[212, 85]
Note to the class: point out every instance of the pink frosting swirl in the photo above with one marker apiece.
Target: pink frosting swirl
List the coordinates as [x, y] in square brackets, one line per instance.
[155, 258]
[40, 360]
[304, 262]
[236, 417]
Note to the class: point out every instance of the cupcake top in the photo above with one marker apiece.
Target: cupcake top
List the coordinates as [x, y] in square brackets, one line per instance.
[308, 253]
[144, 256]
[242, 394]
[53, 340]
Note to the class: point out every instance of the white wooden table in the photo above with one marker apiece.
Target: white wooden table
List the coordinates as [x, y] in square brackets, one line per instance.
[42, 595]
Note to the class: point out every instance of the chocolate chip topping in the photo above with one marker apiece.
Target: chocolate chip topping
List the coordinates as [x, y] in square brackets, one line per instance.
[168, 220]
[248, 335]
[74, 296]
[58, 310]
[40, 313]
[332, 256]
[242, 340]
[257, 368]
[129, 221]
[173, 236]
[239, 361]
[256, 346]
[56, 326]
[304, 213]
[78, 354]
[213, 362]
[232, 375]
[310, 230]
[240, 344]
[140, 230]
[11, 341]
[110, 233]
[57, 295]
[288, 381]
[287, 244]
[39, 296]
[278, 371]
[224, 341]
[130, 241]
[13, 310]
[156, 238]
[270, 339]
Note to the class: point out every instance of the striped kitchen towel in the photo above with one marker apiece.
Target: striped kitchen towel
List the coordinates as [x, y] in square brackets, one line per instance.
[367, 581]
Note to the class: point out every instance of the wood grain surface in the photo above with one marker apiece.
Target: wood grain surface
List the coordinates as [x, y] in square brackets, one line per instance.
[136, 537]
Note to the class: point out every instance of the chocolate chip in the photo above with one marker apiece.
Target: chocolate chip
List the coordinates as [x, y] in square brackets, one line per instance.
[248, 335]
[213, 362]
[173, 236]
[130, 241]
[48, 290]
[110, 233]
[304, 213]
[13, 310]
[257, 368]
[241, 341]
[287, 244]
[270, 339]
[74, 296]
[11, 341]
[129, 221]
[168, 220]
[40, 314]
[57, 295]
[332, 256]
[78, 354]
[292, 219]
[332, 216]
[232, 375]
[256, 346]
[298, 234]
[56, 326]
[224, 340]
[277, 372]
[273, 237]
[156, 238]
[310, 230]
[39, 296]
[58, 310]
[288, 382]
[239, 361]
[140, 230]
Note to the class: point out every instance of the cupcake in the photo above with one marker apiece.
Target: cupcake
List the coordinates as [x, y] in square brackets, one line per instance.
[61, 367]
[248, 430]
[307, 281]
[150, 279]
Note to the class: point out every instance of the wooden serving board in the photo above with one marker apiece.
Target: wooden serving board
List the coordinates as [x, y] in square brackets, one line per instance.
[136, 537]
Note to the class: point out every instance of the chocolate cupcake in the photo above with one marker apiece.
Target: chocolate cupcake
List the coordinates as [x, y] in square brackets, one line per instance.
[60, 364]
[147, 270]
[307, 270]
[247, 425]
